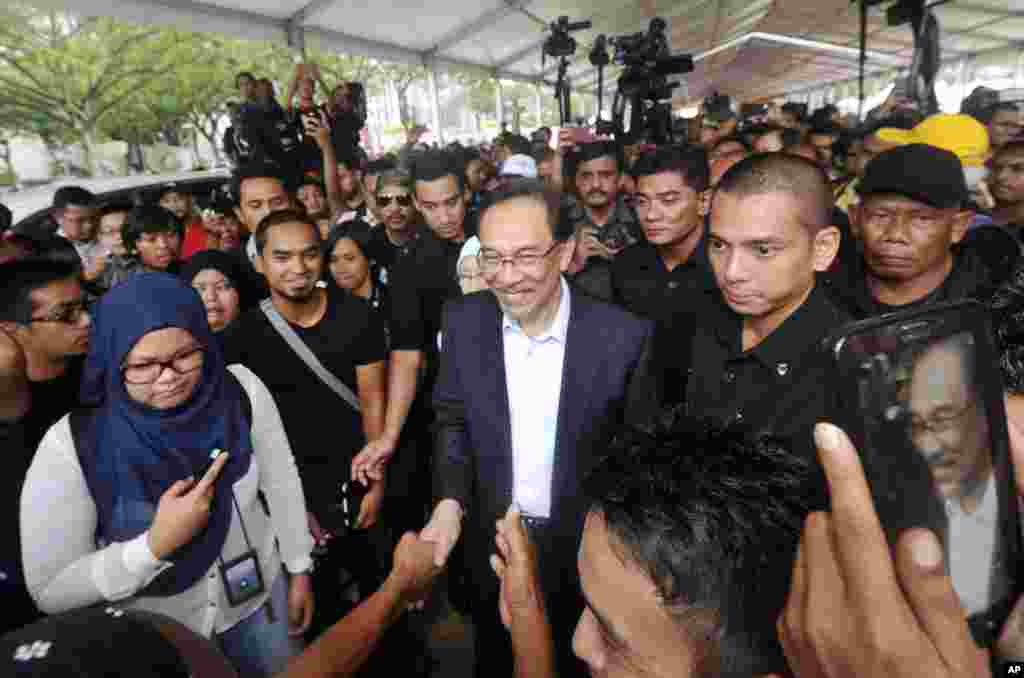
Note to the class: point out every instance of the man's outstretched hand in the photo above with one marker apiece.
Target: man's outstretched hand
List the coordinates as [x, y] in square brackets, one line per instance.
[443, 530]
[521, 599]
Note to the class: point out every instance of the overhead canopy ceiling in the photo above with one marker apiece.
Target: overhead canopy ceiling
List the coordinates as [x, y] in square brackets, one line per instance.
[504, 37]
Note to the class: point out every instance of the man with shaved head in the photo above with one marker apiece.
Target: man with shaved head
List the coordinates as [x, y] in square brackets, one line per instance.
[751, 360]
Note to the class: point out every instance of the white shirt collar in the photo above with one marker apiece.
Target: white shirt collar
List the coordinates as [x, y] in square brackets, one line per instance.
[559, 329]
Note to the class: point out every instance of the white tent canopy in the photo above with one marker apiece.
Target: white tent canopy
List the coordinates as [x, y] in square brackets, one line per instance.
[750, 49]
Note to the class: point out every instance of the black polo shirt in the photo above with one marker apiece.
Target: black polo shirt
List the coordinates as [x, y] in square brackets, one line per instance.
[644, 285]
[779, 386]
[420, 283]
[385, 253]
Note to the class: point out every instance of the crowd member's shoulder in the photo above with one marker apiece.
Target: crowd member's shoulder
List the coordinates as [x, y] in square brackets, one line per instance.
[997, 246]
[243, 338]
[615, 319]
[636, 255]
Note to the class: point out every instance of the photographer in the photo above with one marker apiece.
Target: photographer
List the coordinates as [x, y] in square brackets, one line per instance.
[595, 201]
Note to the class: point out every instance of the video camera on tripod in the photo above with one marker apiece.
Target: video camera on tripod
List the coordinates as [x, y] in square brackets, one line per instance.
[561, 46]
[641, 107]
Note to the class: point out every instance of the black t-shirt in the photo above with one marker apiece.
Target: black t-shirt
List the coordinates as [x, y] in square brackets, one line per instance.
[322, 428]
[19, 439]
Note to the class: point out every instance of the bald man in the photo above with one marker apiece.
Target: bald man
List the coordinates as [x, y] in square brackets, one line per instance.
[751, 360]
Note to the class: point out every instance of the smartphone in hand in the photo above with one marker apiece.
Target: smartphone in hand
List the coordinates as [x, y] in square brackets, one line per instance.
[921, 396]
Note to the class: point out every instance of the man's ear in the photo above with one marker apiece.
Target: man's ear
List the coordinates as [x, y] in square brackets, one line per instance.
[855, 212]
[257, 263]
[704, 198]
[241, 218]
[826, 247]
[961, 224]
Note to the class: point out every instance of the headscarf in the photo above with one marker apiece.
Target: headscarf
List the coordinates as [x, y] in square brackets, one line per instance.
[138, 452]
[226, 264]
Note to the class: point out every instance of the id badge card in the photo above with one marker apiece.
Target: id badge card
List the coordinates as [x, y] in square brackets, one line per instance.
[242, 578]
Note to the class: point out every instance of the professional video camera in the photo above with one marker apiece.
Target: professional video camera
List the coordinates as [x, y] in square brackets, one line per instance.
[561, 46]
[640, 108]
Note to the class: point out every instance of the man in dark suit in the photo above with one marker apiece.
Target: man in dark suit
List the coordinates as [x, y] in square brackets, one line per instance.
[532, 378]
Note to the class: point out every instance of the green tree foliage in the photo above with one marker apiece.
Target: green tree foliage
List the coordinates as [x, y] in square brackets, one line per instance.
[62, 76]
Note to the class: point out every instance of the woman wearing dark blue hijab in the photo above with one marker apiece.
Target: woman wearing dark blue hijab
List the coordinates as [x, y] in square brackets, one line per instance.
[151, 495]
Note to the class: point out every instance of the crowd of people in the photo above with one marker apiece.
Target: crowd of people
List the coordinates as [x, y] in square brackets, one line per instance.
[577, 384]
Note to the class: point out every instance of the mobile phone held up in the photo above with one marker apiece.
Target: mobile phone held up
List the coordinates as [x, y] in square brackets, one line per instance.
[921, 397]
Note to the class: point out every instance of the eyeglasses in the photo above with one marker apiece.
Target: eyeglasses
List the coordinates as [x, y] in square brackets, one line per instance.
[147, 373]
[68, 314]
[491, 261]
[401, 200]
[938, 423]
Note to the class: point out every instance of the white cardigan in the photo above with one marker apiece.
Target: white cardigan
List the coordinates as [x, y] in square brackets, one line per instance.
[64, 569]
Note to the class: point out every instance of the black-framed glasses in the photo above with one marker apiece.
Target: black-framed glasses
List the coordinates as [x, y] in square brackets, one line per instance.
[401, 200]
[149, 372]
[491, 261]
[67, 314]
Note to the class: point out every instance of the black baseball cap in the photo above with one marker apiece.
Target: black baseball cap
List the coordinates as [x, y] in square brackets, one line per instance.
[920, 172]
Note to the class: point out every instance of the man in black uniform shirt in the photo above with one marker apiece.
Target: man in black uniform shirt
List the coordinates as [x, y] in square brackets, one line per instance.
[913, 224]
[399, 226]
[420, 283]
[670, 269]
[754, 360]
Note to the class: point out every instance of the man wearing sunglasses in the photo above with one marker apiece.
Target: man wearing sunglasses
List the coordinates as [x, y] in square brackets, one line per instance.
[44, 332]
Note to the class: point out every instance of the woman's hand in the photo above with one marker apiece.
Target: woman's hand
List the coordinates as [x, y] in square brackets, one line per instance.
[183, 511]
[300, 604]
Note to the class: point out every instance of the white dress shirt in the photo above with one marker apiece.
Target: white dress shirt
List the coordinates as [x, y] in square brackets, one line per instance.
[533, 372]
[972, 543]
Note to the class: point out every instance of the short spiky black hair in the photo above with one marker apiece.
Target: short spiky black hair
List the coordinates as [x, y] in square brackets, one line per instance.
[19, 279]
[278, 218]
[259, 169]
[73, 195]
[149, 219]
[691, 163]
[436, 164]
[713, 517]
